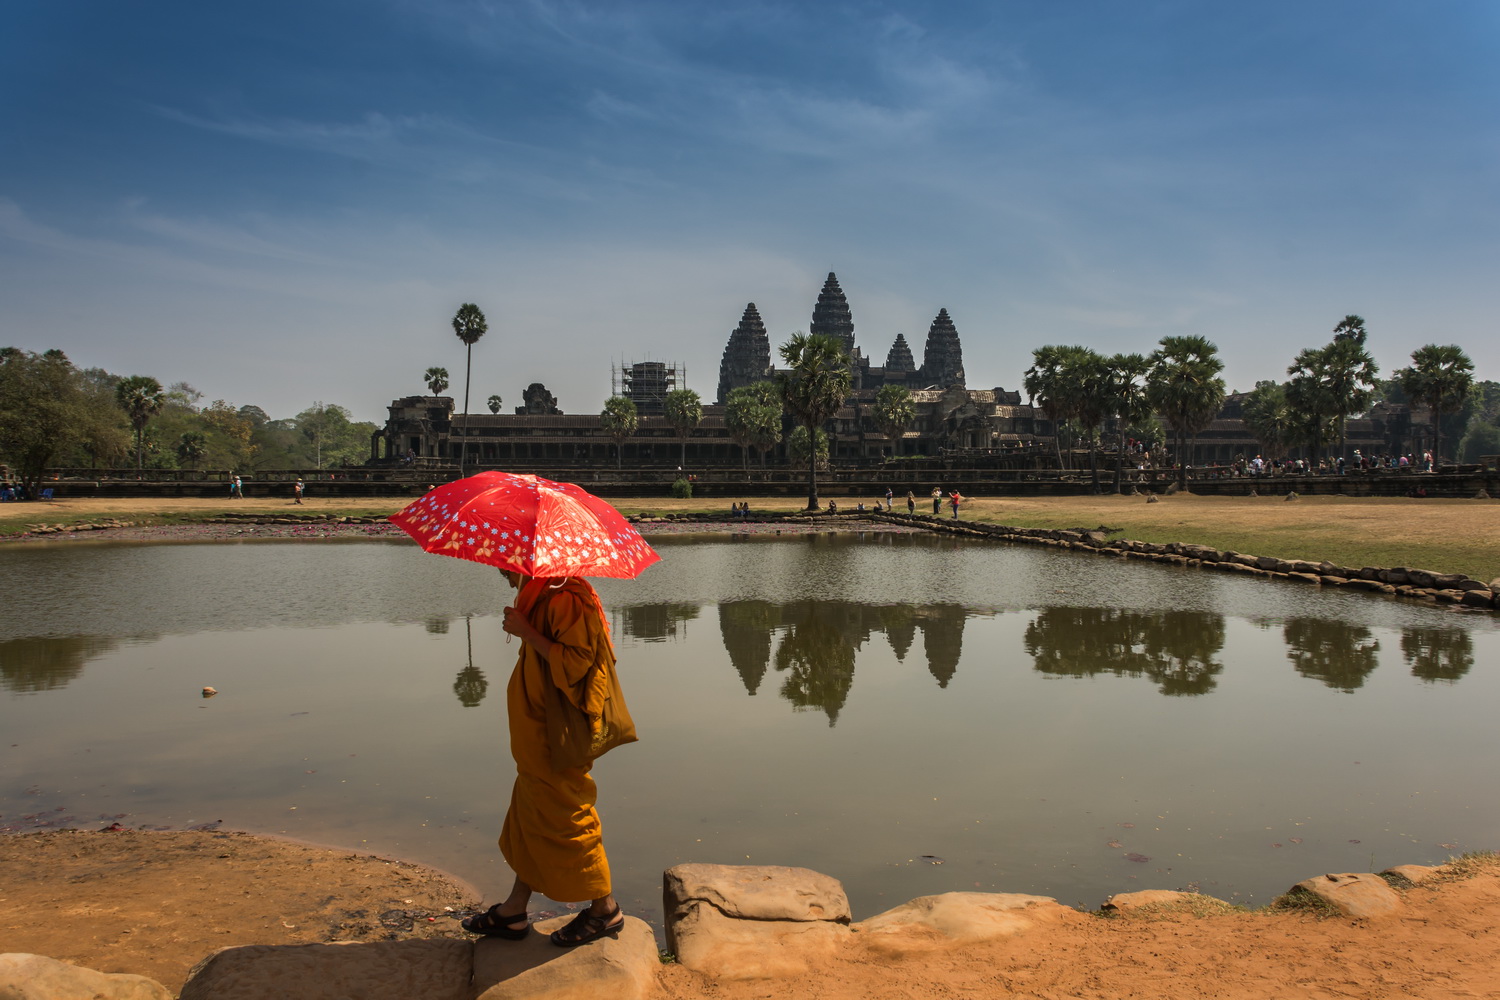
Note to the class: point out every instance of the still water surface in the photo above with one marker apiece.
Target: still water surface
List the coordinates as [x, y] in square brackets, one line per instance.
[908, 714]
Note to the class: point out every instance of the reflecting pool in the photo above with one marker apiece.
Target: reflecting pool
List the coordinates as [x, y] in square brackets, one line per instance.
[909, 714]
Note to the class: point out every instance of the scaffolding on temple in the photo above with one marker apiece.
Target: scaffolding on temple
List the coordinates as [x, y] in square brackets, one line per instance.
[646, 383]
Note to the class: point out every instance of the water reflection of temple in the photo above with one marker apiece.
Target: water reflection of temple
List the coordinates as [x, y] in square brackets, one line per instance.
[654, 622]
[813, 644]
[1177, 650]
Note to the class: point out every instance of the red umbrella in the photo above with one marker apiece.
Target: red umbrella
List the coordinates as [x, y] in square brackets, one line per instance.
[527, 524]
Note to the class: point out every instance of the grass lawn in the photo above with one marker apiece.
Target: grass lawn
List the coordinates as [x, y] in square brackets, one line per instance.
[1451, 536]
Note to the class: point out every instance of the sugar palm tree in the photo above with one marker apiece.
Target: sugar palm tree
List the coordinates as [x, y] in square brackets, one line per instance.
[1185, 386]
[894, 413]
[815, 385]
[1351, 327]
[436, 379]
[1127, 401]
[470, 325]
[1440, 377]
[684, 411]
[1269, 416]
[620, 419]
[1051, 383]
[1351, 379]
[494, 403]
[141, 397]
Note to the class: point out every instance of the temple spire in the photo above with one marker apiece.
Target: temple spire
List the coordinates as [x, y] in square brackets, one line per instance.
[831, 316]
[943, 357]
[899, 359]
[747, 356]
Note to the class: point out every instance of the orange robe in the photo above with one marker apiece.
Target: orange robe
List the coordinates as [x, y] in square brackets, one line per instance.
[551, 838]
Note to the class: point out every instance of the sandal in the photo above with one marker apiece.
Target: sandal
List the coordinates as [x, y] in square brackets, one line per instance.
[493, 923]
[587, 927]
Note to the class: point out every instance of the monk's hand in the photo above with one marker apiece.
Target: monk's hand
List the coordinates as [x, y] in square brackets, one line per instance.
[515, 623]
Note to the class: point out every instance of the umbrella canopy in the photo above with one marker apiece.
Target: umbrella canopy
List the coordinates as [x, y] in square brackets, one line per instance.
[527, 524]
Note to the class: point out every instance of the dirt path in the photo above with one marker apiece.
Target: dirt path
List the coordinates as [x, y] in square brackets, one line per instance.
[154, 904]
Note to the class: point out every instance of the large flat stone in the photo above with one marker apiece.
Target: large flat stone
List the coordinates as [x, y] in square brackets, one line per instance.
[958, 918]
[37, 977]
[757, 892]
[1124, 902]
[623, 967]
[433, 969]
[1354, 894]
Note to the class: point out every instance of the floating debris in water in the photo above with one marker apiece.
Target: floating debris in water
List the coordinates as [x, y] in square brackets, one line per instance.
[1138, 858]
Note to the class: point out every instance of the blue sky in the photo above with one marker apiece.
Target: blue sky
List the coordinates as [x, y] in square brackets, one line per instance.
[284, 202]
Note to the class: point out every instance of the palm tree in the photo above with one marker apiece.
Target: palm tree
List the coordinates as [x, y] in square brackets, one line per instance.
[1128, 402]
[1050, 383]
[494, 403]
[436, 379]
[1351, 379]
[470, 325]
[814, 387]
[191, 447]
[1440, 377]
[752, 414]
[1269, 416]
[1184, 384]
[1351, 327]
[141, 397]
[1093, 383]
[684, 412]
[619, 419]
[894, 412]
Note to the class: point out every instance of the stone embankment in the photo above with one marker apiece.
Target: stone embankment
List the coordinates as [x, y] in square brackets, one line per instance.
[726, 922]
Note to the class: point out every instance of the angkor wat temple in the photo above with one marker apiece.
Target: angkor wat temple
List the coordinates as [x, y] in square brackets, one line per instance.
[747, 356]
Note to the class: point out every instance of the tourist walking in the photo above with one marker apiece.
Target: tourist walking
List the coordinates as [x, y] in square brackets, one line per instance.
[911, 503]
[937, 500]
[297, 490]
[888, 496]
[236, 489]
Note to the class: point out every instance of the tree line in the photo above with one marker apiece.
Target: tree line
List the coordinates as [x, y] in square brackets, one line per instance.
[55, 414]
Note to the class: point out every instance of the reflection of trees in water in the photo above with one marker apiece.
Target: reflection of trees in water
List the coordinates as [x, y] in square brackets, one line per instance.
[471, 683]
[437, 626]
[819, 640]
[654, 622]
[1437, 654]
[1175, 649]
[47, 664]
[1339, 655]
[746, 628]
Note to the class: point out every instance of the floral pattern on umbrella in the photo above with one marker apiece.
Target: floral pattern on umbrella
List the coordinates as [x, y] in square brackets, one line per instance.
[526, 524]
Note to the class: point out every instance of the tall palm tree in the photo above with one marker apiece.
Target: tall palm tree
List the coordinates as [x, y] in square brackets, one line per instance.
[470, 325]
[684, 411]
[1351, 380]
[1440, 377]
[1185, 386]
[1351, 327]
[894, 412]
[1308, 393]
[1269, 416]
[1051, 383]
[1128, 402]
[1093, 387]
[141, 397]
[620, 419]
[495, 403]
[436, 379]
[815, 385]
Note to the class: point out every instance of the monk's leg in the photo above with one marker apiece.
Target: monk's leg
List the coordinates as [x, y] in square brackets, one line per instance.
[519, 899]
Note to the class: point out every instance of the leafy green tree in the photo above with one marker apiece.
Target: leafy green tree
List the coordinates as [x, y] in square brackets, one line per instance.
[141, 397]
[1128, 403]
[1093, 382]
[814, 386]
[1440, 377]
[620, 419]
[436, 379]
[1184, 385]
[752, 414]
[495, 402]
[40, 411]
[469, 324]
[335, 440]
[684, 412]
[1329, 384]
[1481, 439]
[254, 416]
[894, 413]
[1269, 416]
[799, 451]
[228, 441]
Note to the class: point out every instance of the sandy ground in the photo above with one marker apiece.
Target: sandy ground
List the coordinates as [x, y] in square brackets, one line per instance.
[155, 904]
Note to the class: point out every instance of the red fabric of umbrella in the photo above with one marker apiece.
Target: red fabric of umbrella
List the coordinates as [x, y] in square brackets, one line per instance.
[527, 524]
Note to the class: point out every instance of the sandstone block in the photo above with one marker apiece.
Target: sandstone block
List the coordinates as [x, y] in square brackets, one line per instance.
[434, 969]
[1468, 584]
[1355, 895]
[1494, 585]
[1332, 581]
[623, 967]
[1304, 577]
[1414, 873]
[1478, 599]
[752, 921]
[1397, 577]
[36, 977]
[930, 923]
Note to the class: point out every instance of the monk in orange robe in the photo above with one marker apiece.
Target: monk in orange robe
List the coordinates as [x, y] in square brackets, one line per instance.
[551, 838]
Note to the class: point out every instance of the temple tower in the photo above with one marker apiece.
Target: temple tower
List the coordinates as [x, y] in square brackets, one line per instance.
[831, 316]
[747, 356]
[899, 359]
[943, 357]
